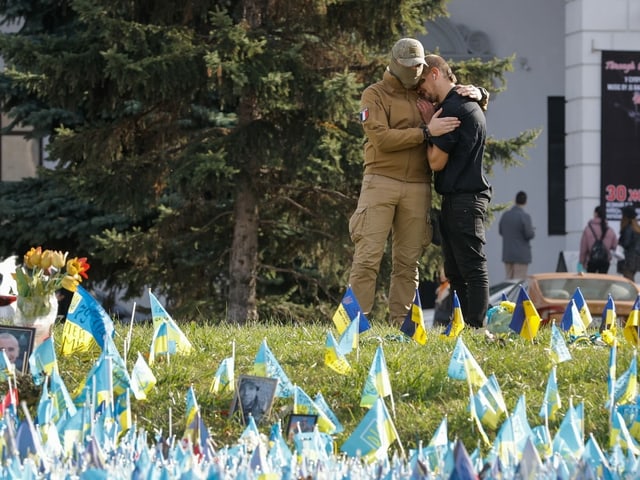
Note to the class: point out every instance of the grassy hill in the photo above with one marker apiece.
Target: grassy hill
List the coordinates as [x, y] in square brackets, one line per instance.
[423, 393]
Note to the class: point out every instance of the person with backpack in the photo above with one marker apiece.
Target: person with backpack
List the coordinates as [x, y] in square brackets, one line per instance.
[597, 242]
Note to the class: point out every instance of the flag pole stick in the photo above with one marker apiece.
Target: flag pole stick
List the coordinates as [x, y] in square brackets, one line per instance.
[130, 332]
[393, 405]
[472, 405]
[395, 431]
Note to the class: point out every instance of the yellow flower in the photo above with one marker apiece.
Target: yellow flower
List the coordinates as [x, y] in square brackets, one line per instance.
[46, 260]
[43, 273]
[58, 258]
[607, 337]
[32, 257]
[70, 283]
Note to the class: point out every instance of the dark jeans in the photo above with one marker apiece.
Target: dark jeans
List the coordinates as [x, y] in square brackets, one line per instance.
[465, 263]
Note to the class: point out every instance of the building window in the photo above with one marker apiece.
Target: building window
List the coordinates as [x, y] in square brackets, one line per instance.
[556, 166]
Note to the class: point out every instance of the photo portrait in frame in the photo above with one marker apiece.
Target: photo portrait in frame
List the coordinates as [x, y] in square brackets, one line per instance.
[17, 343]
[254, 397]
[299, 423]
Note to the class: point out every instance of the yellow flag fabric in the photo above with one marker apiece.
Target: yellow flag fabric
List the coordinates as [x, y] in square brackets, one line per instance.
[87, 324]
[456, 325]
[348, 311]
[525, 320]
[632, 327]
[333, 358]
[413, 325]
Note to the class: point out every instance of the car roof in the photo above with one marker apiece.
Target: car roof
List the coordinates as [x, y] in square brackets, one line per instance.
[604, 276]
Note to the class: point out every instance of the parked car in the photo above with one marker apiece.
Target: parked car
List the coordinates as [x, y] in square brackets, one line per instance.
[550, 293]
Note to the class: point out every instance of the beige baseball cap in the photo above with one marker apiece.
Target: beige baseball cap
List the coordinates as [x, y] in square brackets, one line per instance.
[408, 52]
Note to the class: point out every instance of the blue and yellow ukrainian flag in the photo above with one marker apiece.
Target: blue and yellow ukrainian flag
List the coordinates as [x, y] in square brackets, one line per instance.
[551, 402]
[168, 339]
[373, 435]
[609, 316]
[632, 327]
[525, 320]
[583, 308]
[413, 325]
[304, 404]
[350, 337]
[559, 352]
[377, 383]
[572, 320]
[456, 325]
[43, 361]
[224, 376]
[333, 358]
[626, 386]
[142, 378]
[87, 324]
[348, 311]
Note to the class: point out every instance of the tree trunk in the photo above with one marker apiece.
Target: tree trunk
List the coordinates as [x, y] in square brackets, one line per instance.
[243, 264]
[244, 255]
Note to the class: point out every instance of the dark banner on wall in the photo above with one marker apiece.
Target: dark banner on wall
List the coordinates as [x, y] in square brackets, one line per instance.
[620, 132]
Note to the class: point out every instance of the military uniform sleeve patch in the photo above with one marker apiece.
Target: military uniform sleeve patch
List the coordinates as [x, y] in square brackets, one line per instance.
[364, 114]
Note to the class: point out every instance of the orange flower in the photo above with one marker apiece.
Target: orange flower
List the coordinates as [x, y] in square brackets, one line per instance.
[78, 266]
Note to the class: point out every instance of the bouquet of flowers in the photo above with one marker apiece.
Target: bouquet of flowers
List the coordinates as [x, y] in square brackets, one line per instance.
[44, 272]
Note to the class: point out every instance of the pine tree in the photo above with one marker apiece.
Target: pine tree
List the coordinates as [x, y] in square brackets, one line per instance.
[225, 131]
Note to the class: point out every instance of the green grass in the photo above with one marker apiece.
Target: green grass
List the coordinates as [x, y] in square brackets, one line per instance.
[423, 393]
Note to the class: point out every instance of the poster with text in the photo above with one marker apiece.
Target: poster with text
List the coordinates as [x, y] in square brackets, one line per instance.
[620, 132]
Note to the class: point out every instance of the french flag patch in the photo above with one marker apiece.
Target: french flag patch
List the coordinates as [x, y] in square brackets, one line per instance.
[364, 114]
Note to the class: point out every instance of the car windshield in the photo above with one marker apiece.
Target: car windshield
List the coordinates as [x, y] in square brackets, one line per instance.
[591, 288]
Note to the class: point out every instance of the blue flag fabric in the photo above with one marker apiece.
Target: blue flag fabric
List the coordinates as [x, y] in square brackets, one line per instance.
[626, 386]
[583, 308]
[569, 441]
[456, 325]
[377, 383]
[373, 435]
[551, 403]
[525, 320]
[413, 325]
[43, 361]
[168, 339]
[348, 311]
[87, 324]
[266, 365]
[350, 337]
[323, 406]
[559, 352]
[572, 321]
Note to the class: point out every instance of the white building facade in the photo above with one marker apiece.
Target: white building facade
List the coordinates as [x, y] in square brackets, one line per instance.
[556, 87]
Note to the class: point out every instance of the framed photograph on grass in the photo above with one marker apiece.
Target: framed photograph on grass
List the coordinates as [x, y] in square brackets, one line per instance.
[299, 423]
[17, 343]
[254, 397]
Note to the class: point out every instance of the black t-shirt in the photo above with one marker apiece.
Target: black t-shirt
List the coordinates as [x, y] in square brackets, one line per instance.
[465, 146]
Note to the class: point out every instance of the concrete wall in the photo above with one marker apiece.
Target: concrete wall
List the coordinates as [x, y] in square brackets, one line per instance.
[534, 32]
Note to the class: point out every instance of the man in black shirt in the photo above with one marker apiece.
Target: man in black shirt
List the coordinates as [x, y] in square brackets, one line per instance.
[456, 159]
